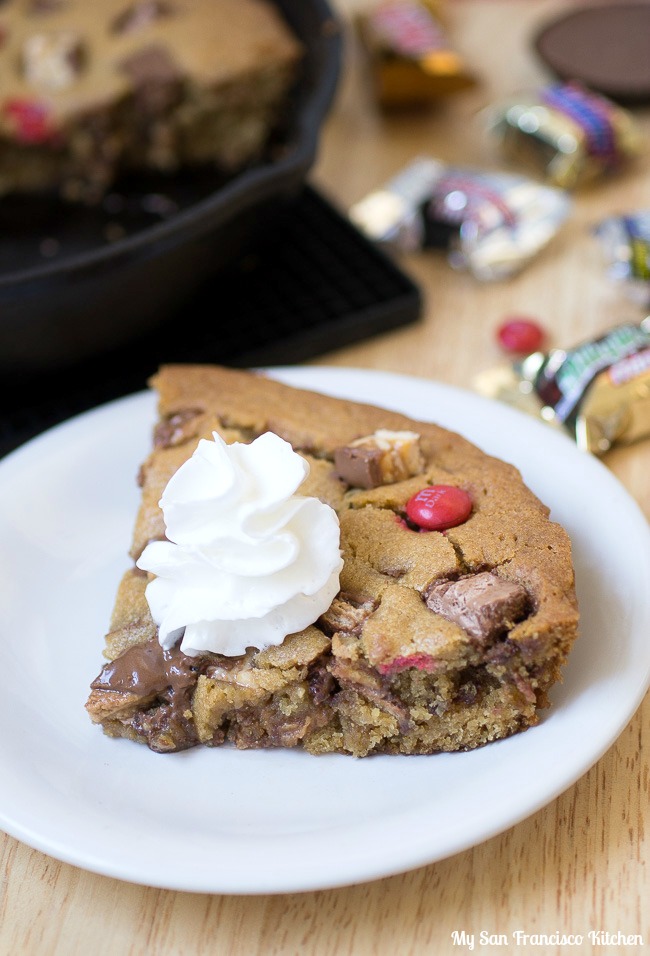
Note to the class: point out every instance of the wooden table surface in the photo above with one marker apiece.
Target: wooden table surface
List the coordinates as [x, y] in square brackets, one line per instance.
[579, 864]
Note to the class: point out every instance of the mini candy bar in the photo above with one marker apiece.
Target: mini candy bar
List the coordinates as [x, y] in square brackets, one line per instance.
[492, 224]
[392, 214]
[599, 391]
[485, 604]
[626, 243]
[570, 133]
[412, 59]
[379, 459]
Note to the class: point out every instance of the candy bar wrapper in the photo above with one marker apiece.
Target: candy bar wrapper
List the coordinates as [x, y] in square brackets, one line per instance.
[567, 133]
[626, 245]
[411, 57]
[491, 224]
[598, 391]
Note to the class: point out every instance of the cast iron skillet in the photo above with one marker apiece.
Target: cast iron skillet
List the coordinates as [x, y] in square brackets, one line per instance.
[75, 281]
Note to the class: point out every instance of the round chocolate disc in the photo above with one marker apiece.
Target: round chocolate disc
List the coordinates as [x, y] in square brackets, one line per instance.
[607, 48]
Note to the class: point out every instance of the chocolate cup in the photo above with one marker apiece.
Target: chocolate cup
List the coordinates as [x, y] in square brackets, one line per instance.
[605, 47]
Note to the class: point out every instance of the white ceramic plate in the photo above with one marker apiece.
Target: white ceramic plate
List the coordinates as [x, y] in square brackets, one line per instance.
[276, 821]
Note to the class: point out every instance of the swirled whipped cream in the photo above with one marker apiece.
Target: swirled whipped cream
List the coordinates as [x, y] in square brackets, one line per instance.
[247, 560]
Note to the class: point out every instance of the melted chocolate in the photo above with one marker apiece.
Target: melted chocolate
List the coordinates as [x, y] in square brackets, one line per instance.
[148, 671]
[170, 431]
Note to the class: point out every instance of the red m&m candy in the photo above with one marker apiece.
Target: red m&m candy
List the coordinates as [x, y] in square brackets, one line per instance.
[439, 507]
[30, 120]
[520, 335]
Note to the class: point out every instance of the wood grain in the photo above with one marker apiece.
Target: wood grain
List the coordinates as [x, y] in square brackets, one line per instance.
[579, 864]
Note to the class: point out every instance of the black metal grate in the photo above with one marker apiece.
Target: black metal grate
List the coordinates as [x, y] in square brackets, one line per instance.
[313, 284]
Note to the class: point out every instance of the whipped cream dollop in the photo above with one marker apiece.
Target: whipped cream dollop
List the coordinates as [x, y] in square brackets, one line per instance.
[247, 561]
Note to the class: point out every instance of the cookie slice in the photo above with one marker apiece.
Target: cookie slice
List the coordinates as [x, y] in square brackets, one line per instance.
[455, 608]
[92, 90]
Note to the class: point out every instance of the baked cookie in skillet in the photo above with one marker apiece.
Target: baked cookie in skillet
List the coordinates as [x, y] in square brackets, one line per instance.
[91, 89]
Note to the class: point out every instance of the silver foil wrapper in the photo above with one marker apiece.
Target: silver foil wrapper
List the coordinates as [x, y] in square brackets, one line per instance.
[626, 246]
[491, 224]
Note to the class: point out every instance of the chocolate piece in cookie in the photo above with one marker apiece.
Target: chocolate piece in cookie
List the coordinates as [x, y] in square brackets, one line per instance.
[379, 459]
[154, 77]
[140, 15]
[163, 680]
[484, 605]
[37, 7]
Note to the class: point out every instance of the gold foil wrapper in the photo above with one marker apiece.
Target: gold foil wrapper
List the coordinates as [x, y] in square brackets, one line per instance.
[599, 397]
[571, 146]
[508, 383]
[411, 57]
[616, 410]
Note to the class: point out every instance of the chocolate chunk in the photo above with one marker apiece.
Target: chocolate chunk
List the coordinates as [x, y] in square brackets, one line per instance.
[320, 682]
[345, 615]
[484, 605]
[379, 459]
[172, 431]
[154, 76]
[170, 677]
[364, 680]
[359, 466]
[140, 15]
[38, 7]
[147, 669]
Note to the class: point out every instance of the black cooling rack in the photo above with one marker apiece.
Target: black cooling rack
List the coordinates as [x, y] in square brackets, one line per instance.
[313, 284]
